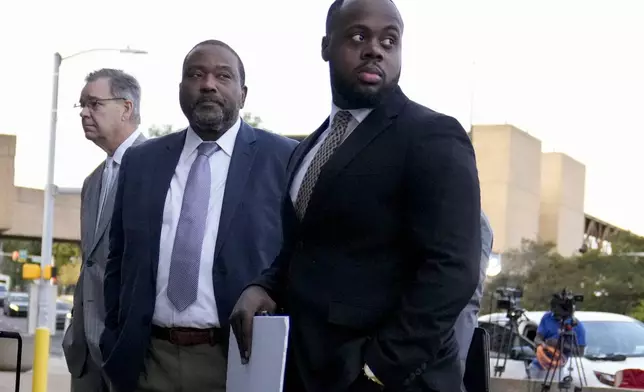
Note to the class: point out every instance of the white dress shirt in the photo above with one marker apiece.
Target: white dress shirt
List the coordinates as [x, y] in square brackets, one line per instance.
[358, 116]
[203, 312]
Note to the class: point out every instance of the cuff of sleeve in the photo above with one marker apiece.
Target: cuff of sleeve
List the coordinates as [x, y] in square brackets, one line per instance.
[389, 373]
[371, 376]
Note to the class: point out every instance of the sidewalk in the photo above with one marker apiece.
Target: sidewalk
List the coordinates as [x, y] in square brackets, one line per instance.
[58, 379]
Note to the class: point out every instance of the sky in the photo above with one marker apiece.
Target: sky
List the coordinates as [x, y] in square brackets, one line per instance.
[570, 73]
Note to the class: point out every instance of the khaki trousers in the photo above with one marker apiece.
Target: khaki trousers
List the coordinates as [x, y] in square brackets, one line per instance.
[171, 368]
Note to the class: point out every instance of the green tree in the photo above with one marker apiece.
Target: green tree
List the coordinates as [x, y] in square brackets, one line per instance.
[625, 242]
[13, 268]
[67, 259]
[609, 283]
[160, 130]
[253, 121]
[63, 252]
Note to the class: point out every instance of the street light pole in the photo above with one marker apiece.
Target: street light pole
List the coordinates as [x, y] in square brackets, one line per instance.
[42, 336]
[42, 340]
[48, 208]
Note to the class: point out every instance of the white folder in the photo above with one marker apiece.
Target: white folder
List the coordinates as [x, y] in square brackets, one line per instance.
[264, 372]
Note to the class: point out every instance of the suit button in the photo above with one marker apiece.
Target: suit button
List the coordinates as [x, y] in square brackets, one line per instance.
[300, 245]
[418, 372]
[424, 366]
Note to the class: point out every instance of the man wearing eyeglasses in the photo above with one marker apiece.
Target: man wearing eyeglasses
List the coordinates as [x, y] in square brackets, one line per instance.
[110, 114]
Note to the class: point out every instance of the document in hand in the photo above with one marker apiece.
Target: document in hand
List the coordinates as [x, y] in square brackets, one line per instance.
[265, 369]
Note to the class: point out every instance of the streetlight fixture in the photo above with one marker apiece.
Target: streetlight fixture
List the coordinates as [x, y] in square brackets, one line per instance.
[494, 265]
[42, 332]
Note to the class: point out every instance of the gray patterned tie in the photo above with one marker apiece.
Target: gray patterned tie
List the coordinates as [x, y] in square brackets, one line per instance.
[328, 147]
[109, 171]
[183, 281]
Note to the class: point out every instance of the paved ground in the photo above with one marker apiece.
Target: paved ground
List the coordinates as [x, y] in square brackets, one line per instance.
[58, 379]
[19, 324]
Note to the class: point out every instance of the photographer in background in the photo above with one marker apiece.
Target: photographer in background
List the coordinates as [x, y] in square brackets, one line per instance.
[560, 317]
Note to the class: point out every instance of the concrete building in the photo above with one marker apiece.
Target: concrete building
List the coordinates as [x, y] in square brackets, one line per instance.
[21, 209]
[527, 193]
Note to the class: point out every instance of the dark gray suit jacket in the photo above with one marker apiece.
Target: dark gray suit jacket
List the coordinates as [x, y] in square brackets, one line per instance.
[81, 339]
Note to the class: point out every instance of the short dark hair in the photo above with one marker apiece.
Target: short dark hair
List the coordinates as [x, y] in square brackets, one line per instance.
[332, 14]
[242, 70]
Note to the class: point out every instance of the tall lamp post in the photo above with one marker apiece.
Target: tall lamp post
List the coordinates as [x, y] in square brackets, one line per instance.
[41, 344]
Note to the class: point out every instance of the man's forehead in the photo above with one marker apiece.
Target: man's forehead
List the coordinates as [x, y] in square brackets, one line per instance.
[96, 88]
[207, 52]
[361, 11]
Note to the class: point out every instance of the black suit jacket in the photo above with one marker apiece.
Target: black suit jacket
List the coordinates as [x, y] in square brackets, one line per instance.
[387, 255]
[248, 240]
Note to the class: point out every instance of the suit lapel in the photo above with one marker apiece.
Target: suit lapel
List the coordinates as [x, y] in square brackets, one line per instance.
[106, 213]
[240, 167]
[90, 212]
[301, 150]
[375, 123]
[161, 174]
[296, 160]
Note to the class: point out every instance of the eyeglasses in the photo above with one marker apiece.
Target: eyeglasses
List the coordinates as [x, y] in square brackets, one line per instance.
[94, 103]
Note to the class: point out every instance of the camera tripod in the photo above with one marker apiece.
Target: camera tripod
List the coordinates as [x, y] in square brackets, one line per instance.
[566, 342]
[513, 315]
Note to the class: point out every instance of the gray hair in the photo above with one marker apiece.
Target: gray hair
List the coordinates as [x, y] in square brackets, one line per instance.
[122, 85]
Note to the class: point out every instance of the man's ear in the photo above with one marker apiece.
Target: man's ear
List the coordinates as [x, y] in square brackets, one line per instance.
[129, 110]
[243, 97]
[325, 48]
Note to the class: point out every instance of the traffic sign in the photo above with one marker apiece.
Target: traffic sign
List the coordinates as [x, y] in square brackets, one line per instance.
[23, 253]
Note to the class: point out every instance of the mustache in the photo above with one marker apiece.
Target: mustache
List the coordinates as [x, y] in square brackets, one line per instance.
[370, 66]
[209, 99]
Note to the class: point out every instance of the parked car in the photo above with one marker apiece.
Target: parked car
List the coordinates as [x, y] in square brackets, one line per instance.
[614, 342]
[63, 311]
[16, 305]
[3, 293]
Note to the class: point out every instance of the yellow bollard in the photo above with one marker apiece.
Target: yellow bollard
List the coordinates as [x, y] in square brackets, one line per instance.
[41, 358]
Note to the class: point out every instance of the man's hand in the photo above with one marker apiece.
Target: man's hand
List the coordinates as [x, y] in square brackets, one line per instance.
[251, 302]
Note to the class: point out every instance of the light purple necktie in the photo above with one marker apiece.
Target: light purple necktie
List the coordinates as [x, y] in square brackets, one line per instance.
[183, 282]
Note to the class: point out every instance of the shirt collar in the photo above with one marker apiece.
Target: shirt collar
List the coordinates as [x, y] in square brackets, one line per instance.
[358, 114]
[226, 142]
[127, 143]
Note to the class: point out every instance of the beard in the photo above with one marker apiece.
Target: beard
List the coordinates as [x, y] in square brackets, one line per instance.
[211, 116]
[356, 96]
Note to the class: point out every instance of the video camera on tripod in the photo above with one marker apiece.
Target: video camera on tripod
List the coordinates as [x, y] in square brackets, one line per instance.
[508, 298]
[554, 359]
[563, 304]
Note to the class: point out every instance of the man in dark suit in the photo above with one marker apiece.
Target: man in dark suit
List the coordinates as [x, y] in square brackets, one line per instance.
[381, 227]
[196, 218]
[110, 106]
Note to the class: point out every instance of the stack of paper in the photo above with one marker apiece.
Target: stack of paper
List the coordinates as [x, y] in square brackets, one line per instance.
[264, 372]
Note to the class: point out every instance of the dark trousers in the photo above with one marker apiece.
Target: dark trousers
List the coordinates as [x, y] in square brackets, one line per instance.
[92, 379]
[172, 368]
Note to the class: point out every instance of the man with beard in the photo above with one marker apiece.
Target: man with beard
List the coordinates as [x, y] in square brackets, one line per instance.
[381, 227]
[196, 218]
